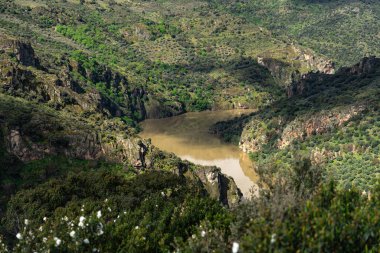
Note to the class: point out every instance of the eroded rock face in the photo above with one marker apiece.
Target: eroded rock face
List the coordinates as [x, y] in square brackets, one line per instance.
[25, 54]
[219, 186]
[318, 123]
[366, 66]
[132, 151]
[291, 71]
[280, 127]
[314, 62]
[25, 77]
[304, 85]
[41, 131]
[23, 51]
[256, 134]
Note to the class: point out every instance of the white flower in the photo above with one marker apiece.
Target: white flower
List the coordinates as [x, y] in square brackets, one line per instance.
[106, 200]
[44, 218]
[109, 209]
[99, 214]
[94, 250]
[235, 247]
[163, 194]
[26, 222]
[19, 236]
[44, 239]
[203, 233]
[86, 241]
[66, 218]
[82, 210]
[81, 221]
[57, 241]
[273, 238]
[137, 227]
[40, 228]
[72, 234]
[193, 236]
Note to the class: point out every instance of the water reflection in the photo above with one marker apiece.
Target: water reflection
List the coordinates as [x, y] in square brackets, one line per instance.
[188, 137]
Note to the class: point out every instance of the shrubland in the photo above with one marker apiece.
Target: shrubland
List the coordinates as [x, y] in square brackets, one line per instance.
[75, 177]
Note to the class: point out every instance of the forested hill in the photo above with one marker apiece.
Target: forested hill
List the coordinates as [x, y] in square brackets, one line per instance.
[344, 31]
[184, 55]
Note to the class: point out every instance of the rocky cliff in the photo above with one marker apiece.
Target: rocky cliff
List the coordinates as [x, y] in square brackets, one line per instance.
[304, 115]
[330, 120]
[320, 104]
[54, 113]
[313, 82]
[291, 70]
[317, 123]
[37, 133]
[69, 85]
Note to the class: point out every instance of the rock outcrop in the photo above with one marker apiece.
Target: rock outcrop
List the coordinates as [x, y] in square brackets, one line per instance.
[292, 70]
[305, 115]
[110, 93]
[70, 117]
[318, 123]
[21, 50]
[37, 133]
[366, 66]
[307, 83]
[219, 186]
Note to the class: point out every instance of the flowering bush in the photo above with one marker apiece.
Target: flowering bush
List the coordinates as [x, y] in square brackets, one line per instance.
[137, 217]
[333, 221]
[160, 212]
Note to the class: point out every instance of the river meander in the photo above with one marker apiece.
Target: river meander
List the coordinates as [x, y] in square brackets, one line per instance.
[188, 137]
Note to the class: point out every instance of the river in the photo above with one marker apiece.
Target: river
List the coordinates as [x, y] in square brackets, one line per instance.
[188, 137]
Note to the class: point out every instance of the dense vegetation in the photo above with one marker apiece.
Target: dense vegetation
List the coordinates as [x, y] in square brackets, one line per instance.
[335, 121]
[75, 177]
[177, 57]
[332, 28]
[102, 211]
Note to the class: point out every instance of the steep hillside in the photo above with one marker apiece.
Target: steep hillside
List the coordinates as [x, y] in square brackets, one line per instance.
[344, 31]
[77, 77]
[186, 56]
[332, 119]
[54, 122]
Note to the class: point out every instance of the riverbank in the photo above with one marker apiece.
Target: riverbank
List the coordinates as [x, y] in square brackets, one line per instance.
[188, 137]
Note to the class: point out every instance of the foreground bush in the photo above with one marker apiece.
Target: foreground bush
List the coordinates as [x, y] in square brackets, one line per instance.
[333, 221]
[105, 212]
[159, 212]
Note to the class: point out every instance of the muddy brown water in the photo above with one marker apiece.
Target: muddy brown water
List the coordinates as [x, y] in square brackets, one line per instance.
[188, 137]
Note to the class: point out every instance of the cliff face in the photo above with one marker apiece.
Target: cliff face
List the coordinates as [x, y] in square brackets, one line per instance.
[318, 123]
[291, 70]
[313, 110]
[219, 185]
[307, 83]
[51, 139]
[21, 76]
[22, 51]
[67, 116]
